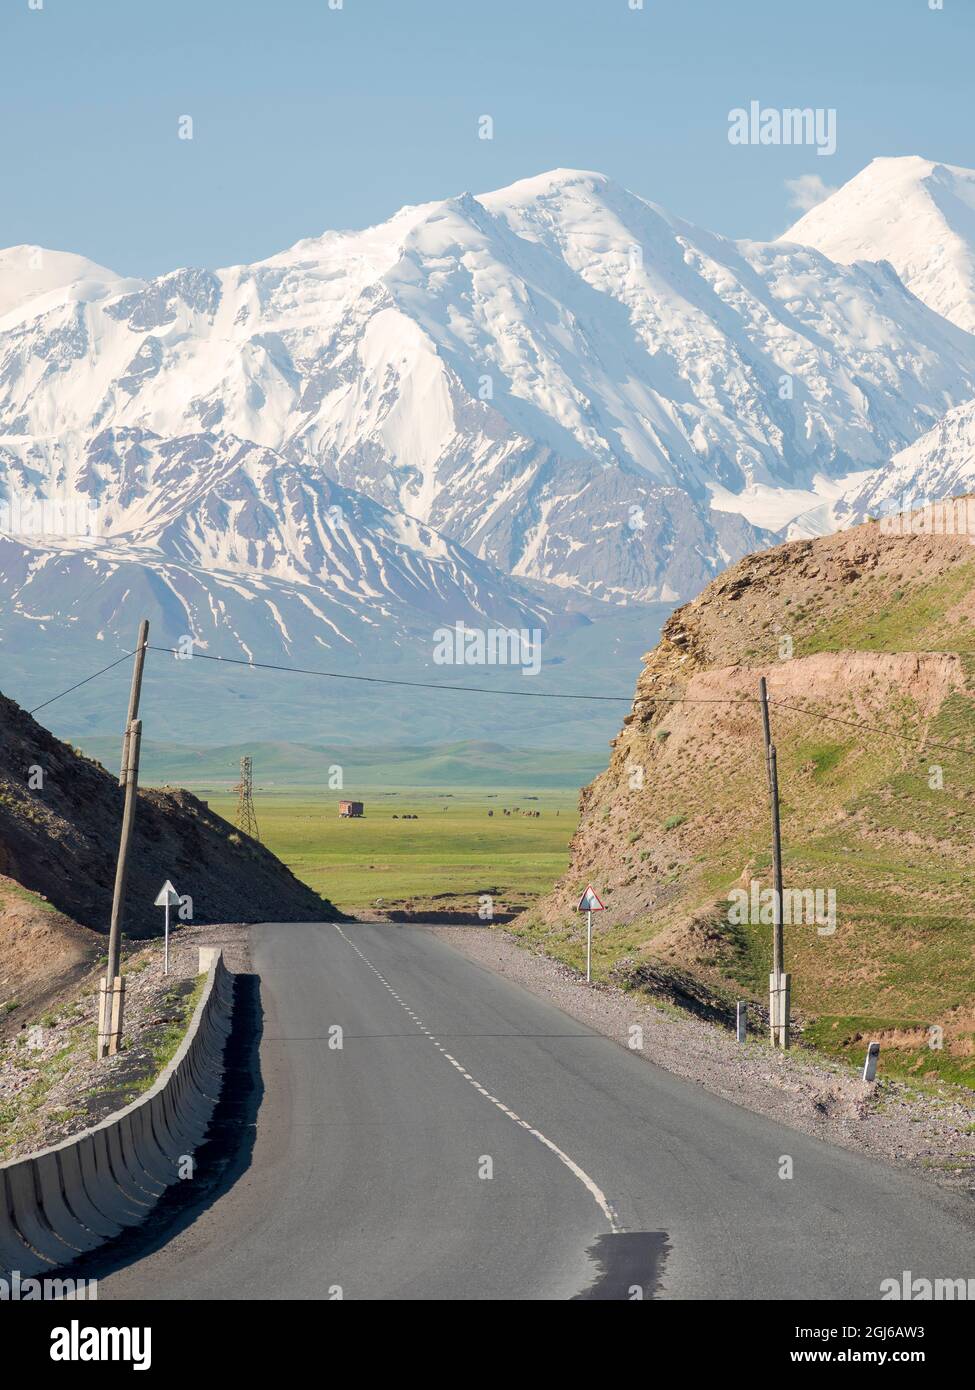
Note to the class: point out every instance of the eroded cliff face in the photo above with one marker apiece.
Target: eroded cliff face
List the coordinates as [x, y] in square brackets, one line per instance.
[865, 640]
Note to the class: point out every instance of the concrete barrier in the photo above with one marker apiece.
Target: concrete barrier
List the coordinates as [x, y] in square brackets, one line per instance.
[69, 1199]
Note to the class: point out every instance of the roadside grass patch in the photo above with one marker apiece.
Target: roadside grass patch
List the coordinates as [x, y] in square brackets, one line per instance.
[847, 1037]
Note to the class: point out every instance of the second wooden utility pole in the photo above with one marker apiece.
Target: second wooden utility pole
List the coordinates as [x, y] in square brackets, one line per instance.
[134, 693]
[112, 989]
[780, 984]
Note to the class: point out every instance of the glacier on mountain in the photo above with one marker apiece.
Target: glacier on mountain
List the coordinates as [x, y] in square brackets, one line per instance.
[524, 406]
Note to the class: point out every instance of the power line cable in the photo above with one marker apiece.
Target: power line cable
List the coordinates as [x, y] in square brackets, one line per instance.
[871, 728]
[475, 689]
[79, 684]
[918, 737]
[558, 695]
[385, 680]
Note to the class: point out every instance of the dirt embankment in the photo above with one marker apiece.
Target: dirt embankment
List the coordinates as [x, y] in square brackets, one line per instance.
[867, 643]
[42, 953]
[60, 817]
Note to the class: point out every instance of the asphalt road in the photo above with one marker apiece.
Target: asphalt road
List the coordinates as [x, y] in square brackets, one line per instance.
[369, 1169]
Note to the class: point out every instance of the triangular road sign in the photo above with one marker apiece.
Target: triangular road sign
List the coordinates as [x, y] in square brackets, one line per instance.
[168, 896]
[589, 902]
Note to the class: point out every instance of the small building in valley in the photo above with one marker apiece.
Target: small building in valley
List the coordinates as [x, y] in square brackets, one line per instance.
[351, 808]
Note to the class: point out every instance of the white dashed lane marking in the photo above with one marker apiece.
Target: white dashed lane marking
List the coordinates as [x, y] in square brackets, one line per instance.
[591, 1187]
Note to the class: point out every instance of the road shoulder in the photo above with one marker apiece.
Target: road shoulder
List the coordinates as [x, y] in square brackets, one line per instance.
[930, 1132]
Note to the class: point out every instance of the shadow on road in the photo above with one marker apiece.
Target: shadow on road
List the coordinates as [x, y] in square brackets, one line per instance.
[223, 1157]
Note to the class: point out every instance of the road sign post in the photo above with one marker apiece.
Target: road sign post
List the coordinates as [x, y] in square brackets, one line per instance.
[589, 903]
[167, 897]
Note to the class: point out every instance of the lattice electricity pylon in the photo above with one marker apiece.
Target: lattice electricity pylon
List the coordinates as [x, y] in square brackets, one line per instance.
[246, 815]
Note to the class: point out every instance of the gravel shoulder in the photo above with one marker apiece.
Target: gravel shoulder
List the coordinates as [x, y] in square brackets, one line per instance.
[931, 1131]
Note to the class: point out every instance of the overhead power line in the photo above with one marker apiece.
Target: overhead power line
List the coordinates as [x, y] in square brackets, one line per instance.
[915, 737]
[387, 680]
[918, 737]
[79, 684]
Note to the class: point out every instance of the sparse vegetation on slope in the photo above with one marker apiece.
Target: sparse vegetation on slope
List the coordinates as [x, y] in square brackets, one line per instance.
[855, 633]
[51, 1086]
[60, 817]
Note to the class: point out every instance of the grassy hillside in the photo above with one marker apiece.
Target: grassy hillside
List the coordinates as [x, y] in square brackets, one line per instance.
[868, 645]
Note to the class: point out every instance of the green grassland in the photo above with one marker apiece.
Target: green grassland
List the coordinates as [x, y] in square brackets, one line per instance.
[455, 848]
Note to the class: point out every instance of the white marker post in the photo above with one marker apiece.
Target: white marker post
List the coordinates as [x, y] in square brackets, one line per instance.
[589, 903]
[167, 897]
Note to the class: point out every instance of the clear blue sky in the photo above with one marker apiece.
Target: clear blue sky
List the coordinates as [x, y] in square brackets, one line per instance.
[307, 118]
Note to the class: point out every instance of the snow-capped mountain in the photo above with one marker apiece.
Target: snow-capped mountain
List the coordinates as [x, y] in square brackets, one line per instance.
[918, 215]
[939, 465]
[34, 281]
[564, 379]
[527, 409]
[225, 540]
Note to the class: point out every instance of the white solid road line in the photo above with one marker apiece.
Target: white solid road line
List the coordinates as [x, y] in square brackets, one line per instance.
[597, 1194]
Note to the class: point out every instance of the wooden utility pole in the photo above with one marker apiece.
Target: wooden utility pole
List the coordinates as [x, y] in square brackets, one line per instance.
[134, 693]
[779, 982]
[112, 989]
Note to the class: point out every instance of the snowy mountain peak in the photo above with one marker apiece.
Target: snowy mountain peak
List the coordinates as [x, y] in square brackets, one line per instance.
[34, 280]
[553, 182]
[939, 465]
[917, 214]
[559, 377]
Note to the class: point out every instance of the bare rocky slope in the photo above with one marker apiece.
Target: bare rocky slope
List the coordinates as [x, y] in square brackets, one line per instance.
[867, 641]
[60, 839]
[42, 954]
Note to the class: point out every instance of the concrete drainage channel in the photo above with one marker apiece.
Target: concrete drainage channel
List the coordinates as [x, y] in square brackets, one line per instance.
[59, 1205]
